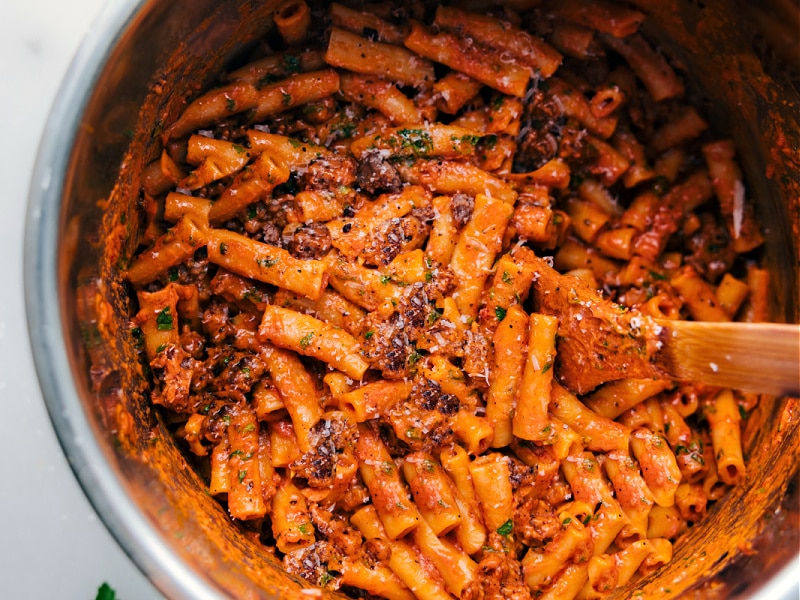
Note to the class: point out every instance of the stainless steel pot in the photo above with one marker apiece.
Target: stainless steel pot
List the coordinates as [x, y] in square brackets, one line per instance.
[141, 60]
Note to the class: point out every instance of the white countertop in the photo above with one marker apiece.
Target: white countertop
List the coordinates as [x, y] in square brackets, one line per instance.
[52, 544]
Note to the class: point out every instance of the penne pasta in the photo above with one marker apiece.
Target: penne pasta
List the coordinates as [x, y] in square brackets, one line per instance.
[353, 53]
[342, 263]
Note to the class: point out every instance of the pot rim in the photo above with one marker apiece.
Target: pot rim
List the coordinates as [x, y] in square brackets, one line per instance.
[100, 481]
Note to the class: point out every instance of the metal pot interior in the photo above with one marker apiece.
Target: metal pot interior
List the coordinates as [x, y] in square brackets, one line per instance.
[145, 491]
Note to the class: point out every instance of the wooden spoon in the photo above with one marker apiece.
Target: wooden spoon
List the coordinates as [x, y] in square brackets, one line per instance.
[599, 341]
[753, 357]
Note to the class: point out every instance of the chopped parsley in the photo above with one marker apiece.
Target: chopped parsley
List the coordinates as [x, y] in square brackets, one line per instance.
[291, 63]
[413, 358]
[106, 592]
[500, 312]
[326, 578]
[268, 262]
[416, 141]
[138, 336]
[369, 334]
[344, 130]
[434, 316]
[164, 320]
[506, 528]
[660, 185]
[306, 340]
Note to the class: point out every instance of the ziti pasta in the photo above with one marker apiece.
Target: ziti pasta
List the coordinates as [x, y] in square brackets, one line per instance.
[335, 290]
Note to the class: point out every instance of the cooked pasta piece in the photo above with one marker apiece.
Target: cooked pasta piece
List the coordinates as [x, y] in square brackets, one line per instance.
[380, 474]
[293, 19]
[309, 336]
[531, 420]
[481, 63]
[526, 49]
[352, 52]
[617, 20]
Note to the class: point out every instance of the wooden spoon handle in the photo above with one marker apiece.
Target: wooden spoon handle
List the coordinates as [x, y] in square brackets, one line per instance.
[754, 357]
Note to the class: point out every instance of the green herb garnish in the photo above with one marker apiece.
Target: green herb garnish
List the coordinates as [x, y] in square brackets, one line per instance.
[306, 340]
[506, 528]
[106, 592]
[164, 320]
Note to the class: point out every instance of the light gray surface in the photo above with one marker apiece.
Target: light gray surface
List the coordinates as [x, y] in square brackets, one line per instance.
[52, 544]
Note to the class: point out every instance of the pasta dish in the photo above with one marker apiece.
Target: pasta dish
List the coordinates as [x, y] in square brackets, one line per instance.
[342, 296]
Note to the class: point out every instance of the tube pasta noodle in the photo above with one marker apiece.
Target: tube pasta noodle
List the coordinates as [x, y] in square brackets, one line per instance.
[338, 296]
[452, 50]
[490, 475]
[354, 53]
[375, 579]
[293, 18]
[404, 560]
[311, 337]
[602, 16]
[576, 106]
[723, 418]
[454, 91]
[432, 493]
[476, 249]
[277, 66]
[527, 49]
[264, 262]
[291, 521]
[380, 474]
[541, 568]
[510, 348]
[298, 392]
[380, 95]
[651, 67]
[458, 570]
[452, 177]
[531, 420]
[357, 22]
[295, 90]
[598, 433]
